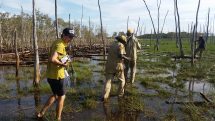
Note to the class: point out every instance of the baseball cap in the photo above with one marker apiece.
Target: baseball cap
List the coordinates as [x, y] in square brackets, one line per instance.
[69, 32]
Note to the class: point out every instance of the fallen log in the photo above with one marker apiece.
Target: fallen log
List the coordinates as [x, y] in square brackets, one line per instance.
[186, 102]
[204, 97]
[207, 101]
[4, 63]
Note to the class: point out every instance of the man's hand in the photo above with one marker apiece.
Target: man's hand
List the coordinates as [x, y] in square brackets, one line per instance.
[124, 57]
[65, 64]
[54, 59]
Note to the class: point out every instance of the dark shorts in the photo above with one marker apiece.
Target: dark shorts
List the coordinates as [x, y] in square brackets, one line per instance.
[57, 86]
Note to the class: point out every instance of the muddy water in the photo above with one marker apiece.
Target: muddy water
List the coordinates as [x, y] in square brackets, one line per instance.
[16, 106]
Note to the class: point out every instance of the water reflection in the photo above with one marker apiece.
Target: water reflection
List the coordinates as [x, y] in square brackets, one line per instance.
[37, 98]
[199, 86]
[18, 90]
[117, 112]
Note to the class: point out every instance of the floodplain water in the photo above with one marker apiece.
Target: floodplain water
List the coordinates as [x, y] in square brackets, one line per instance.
[18, 101]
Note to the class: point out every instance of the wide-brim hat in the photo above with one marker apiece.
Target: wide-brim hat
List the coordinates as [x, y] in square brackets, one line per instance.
[121, 38]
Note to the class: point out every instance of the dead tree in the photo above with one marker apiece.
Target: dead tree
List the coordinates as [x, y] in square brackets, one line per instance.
[104, 43]
[158, 28]
[157, 40]
[176, 26]
[56, 20]
[127, 22]
[141, 30]
[137, 26]
[213, 30]
[179, 30]
[158, 17]
[69, 22]
[164, 21]
[208, 22]
[80, 31]
[195, 33]
[90, 33]
[36, 54]
[16, 53]
[1, 39]
[22, 28]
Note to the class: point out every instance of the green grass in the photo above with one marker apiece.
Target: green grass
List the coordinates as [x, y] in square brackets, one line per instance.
[149, 83]
[82, 70]
[4, 90]
[131, 104]
[90, 103]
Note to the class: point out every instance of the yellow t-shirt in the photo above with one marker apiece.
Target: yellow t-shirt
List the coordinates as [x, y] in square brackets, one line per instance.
[55, 71]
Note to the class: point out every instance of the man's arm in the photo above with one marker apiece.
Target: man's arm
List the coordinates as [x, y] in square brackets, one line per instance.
[124, 57]
[54, 59]
[138, 44]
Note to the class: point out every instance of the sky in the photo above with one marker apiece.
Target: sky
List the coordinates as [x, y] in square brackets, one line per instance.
[116, 12]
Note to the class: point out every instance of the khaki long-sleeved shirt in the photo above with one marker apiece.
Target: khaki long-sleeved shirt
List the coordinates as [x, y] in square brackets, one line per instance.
[114, 62]
[131, 48]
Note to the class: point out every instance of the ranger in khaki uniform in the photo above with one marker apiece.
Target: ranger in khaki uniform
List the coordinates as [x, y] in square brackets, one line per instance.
[131, 51]
[114, 66]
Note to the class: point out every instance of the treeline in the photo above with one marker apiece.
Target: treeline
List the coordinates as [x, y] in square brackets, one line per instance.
[90, 35]
[172, 35]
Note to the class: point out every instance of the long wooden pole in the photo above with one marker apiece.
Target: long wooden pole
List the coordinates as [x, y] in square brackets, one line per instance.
[179, 31]
[36, 53]
[138, 24]
[127, 22]
[157, 40]
[104, 43]
[16, 53]
[208, 23]
[56, 20]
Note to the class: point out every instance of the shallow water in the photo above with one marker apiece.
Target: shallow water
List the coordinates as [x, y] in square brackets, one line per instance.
[23, 107]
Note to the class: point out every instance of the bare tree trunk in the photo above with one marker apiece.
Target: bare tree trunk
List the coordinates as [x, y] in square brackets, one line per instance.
[104, 43]
[22, 29]
[158, 17]
[141, 30]
[127, 22]
[196, 29]
[179, 31]
[192, 44]
[200, 30]
[176, 25]
[80, 30]
[138, 26]
[16, 53]
[1, 39]
[208, 22]
[69, 22]
[90, 33]
[164, 21]
[188, 31]
[157, 40]
[194, 34]
[56, 20]
[36, 56]
[213, 30]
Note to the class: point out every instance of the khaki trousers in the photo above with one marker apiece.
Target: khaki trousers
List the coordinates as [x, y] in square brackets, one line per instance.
[132, 66]
[109, 77]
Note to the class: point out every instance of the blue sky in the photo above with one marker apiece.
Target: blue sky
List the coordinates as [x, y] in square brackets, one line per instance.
[116, 12]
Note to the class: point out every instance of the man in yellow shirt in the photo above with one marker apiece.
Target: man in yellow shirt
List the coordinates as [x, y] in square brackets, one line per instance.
[55, 72]
[114, 66]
